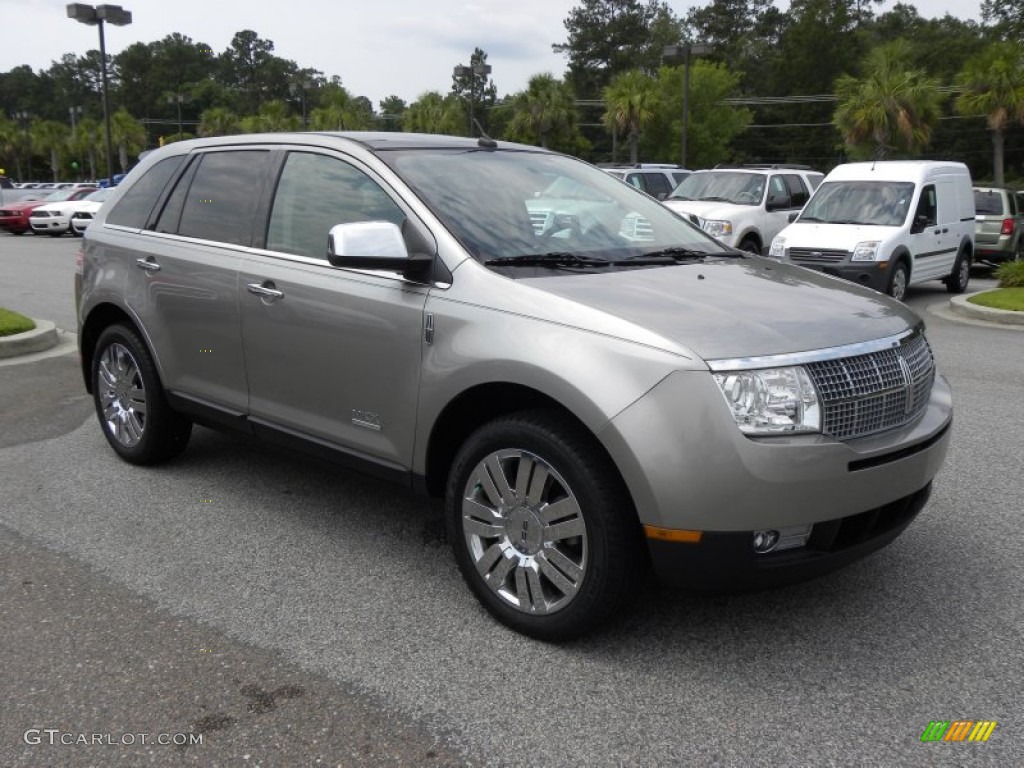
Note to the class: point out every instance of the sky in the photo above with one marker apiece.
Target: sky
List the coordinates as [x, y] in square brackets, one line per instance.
[378, 47]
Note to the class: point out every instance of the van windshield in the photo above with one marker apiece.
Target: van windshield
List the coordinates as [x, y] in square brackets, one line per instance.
[871, 203]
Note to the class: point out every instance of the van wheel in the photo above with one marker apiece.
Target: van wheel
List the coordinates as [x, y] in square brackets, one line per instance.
[960, 276]
[750, 246]
[898, 281]
[543, 531]
[136, 419]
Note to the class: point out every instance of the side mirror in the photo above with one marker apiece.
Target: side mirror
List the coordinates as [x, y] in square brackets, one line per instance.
[374, 245]
[792, 216]
[919, 225]
[778, 202]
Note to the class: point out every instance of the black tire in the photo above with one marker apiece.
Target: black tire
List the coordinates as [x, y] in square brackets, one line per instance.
[898, 280]
[130, 403]
[961, 274]
[750, 246]
[600, 552]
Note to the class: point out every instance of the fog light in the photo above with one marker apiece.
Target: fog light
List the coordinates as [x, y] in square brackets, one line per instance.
[782, 538]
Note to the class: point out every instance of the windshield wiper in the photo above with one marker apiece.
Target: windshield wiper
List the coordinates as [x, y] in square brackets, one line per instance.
[716, 199]
[555, 259]
[676, 254]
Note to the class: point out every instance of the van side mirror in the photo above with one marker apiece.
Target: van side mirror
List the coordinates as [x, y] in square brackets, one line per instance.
[792, 216]
[375, 245]
[919, 225]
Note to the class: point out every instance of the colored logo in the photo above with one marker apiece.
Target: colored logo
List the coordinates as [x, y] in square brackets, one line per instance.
[958, 730]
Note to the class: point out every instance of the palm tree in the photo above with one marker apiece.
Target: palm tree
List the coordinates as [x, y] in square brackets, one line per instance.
[434, 113]
[128, 135]
[218, 121]
[341, 111]
[10, 141]
[52, 137]
[543, 111]
[630, 101]
[88, 142]
[894, 106]
[992, 86]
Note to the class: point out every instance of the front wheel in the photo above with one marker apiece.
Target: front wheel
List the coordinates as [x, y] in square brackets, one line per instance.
[750, 246]
[542, 528]
[136, 419]
[961, 274]
[898, 281]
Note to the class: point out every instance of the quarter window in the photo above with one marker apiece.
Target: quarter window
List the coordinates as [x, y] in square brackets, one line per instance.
[315, 193]
[224, 195]
[133, 209]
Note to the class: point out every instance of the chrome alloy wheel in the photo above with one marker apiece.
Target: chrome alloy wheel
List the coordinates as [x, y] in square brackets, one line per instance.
[525, 532]
[122, 395]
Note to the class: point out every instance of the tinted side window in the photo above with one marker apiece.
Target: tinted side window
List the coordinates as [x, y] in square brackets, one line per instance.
[777, 187]
[223, 196]
[315, 193]
[134, 208]
[797, 191]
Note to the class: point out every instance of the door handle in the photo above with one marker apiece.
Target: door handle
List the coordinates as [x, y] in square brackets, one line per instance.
[265, 289]
[147, 264]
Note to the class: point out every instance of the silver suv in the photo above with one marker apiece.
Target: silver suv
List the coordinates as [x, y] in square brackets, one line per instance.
[593, 384]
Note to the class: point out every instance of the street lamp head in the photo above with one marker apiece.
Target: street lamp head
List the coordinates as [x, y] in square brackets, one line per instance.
[114, 14]
[82, 13]
[462, 71]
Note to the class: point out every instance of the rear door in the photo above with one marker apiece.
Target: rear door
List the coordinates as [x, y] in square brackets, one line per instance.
[183, 271]
[332, 354]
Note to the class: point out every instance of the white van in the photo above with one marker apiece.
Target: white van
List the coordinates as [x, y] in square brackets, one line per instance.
[887, 225]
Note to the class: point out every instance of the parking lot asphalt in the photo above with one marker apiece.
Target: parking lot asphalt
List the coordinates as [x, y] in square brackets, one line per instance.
[339, 593]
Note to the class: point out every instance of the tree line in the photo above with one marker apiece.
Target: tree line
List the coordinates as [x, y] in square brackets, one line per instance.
[825, 82]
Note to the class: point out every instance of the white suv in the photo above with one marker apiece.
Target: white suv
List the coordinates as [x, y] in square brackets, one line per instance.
[656, 179]
[744, 206]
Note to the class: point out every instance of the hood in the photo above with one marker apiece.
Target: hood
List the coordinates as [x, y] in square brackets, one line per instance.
[24, 205]
[812, 234]
[738, 307]
[706, 209]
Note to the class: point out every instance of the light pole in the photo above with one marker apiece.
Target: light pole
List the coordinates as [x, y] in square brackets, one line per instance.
[684, 51]
[23, 118]
[478, 69]
[96, 16]
[177, 98]
[75, 112]
[301, 86]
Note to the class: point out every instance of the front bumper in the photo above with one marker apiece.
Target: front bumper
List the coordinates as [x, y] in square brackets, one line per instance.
[689, 468]
[873, 274]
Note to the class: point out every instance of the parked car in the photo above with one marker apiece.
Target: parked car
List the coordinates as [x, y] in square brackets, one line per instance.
[55, 218]
[887, 225]
[15, 193]
[586, 401]
[744, 206]
[998, 225]
[656, 179]
[14, 217]
[86, 208]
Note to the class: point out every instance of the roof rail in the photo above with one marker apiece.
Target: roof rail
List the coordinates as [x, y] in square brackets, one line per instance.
[767, 166]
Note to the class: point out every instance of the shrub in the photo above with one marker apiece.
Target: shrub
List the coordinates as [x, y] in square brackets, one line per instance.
[1010, 274]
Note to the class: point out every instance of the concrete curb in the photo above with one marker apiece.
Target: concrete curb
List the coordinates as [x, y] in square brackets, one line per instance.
[41, 338]
[961, 306]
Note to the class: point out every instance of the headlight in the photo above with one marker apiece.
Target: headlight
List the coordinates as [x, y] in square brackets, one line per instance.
[778, 249]
[865, 251]
[718, 228]
[771, 401]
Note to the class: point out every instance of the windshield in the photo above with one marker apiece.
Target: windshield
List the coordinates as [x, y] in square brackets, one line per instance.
[874, 203]
[99, 195]
[738, 187]
[510, 204]
[60, 195]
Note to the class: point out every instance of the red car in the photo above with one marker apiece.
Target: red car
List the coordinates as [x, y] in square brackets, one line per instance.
[14, 216]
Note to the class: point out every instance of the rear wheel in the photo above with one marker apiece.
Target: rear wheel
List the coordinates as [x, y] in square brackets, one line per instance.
[543, 530]
[898, 281]
[136, 419]
[961, 274]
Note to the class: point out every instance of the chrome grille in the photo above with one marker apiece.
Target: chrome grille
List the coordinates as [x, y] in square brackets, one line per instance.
[869, 393]
[816, 256]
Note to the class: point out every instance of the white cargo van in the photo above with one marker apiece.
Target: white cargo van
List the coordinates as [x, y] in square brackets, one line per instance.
[887, 225]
